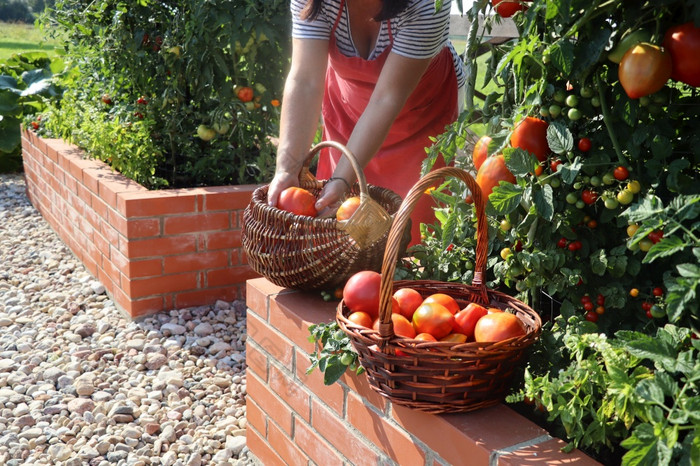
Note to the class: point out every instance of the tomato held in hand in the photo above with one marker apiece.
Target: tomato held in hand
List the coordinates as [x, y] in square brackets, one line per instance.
[298, 201]
[466, 319]
[433, 318]
[683, 44]
[644, 69]
[498, 326]
[531, 134]
[492, 172]
[347, 208]
[481, 151]
[361, 292]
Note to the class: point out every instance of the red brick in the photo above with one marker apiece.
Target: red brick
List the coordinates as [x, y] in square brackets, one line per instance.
[274, 343]
[142, 287]
[205, 296]
[258, 292]
[91, 179]
[293, 393]
[343, 437]
[360, 385]
[228, 197]
[549, 451]
[154, 203]
[223, 240]
[256, 360]
[194, 261]
[135, 228]
[262, 450]
[111, 184]
[283, 445]
[230, 275]
[333, 395]
[293, 313]
[180, 224]
[160, 246]
[316, 448]
[395, 442]
[256, 417]
[275, 408]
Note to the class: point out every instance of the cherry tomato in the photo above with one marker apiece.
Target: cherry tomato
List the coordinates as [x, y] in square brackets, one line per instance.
[584, 144]
[588, 306]
[634, 186]
[658, 291]
[592, 224]
[657, 311]
[571, 198]
[554, 165]
[634, 292]
[646, 305]
[562, 243]
[621, 173]
[625, 197]
[245, 94]
[600, 300]
[600, 310]
[588, 196]
[656, 236]
[645, 244]
[505, 224]
[506, 253]
[611, 203]
[585, 299]
[591, 316]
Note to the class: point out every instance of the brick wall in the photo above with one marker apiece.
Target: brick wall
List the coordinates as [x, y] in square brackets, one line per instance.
[293, 418]
[152, 250]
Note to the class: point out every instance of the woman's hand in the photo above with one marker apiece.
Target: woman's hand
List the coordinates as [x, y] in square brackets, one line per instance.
[331, 197]
[279, 183]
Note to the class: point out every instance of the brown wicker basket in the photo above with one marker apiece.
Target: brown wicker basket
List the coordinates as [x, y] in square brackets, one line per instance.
[440, 377]
[310, 254]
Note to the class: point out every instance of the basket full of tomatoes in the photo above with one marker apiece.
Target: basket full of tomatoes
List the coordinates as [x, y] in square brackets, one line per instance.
[438, 347]
[293, 247]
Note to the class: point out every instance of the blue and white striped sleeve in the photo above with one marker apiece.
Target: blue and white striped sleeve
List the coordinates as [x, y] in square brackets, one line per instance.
[422, 32]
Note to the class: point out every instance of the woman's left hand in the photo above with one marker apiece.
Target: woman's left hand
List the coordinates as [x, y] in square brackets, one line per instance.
[330, 198]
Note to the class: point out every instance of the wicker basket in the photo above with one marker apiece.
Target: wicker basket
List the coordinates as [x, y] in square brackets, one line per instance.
[440, 377]
[310, 254]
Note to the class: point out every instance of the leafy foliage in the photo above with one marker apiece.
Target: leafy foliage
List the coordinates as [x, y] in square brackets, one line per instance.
[334, 352]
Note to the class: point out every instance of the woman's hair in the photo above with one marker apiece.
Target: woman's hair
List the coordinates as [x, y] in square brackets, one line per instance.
[390, 8]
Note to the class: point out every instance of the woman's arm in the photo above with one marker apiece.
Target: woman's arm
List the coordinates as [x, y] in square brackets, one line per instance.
[301, 109]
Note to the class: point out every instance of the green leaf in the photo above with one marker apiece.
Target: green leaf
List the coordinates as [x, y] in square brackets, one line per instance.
[648, 207]
[569, 171]
[559, 138]
[645, 448]
[333, 372]
[8, 102]
[666, 247]
[647, 347]
[504, 198]
[519, 162]
[9, 83]
[650, 390]
[688, 270]
[544, 202]
[599, 262]
[10, 136]
[562, 55]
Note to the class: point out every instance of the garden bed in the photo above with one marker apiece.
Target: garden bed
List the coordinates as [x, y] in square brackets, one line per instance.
[294, 418]
[152, 250]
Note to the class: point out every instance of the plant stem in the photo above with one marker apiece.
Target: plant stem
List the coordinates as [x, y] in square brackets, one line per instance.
[608, 122]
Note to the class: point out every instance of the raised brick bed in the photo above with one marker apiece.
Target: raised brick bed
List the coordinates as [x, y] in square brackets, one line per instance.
[293, 418]
[152, 250]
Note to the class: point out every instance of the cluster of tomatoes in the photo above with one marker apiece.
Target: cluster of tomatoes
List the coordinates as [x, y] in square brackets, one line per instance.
[653, 302]
[436, 317]
[300, 201]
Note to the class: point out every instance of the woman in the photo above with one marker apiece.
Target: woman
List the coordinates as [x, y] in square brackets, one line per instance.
[386, 79]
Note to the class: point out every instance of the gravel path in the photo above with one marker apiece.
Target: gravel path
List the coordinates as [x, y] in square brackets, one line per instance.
[81, 384]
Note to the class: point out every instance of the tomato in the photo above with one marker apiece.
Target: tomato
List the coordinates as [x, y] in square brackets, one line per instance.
[347, 208]
[632, 229]
[361, 292]
[554, 165]
[298, 201]
[402, 326]
[574, 114]
[584, 144]
[611, 203]
[106, 99]
[629, 40]
[588, 306]
[656, 235]
[646, 305]
[493, 171]
[507, 8]
[591, 316]
[585, 299]
[481, 151]
[361, 318]
[505, 224]
[644, 69]
[498, 326]
[554, 110]
[634, 186]
[433, 318]
[571, 100]
[531, 134]
[588, 196]
[621, 173]
[446, 300]
[600, 300]
[575, 245]
[425, 337]
[657, 311]
[683, 44]
[245, 94]
[658, 291]
[645, 244]
[455, 338]
[600, 310]
[561, 244]
[592, 224]
[409, 300]
[506, 253]
[625, 197]
[634, 292]
[466, 319]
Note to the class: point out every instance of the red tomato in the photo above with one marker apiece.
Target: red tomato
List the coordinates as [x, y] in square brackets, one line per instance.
[584, 144]
[298, 201]
[466, 319]
[655, 236]
[446, 300]
[402, 326]
[493, 171]
[588, 196]
[481, 151]
[531, 134]
[245, 94]
[621, 173]
[498, 326]
[554, 164]
[683, 43]
[591, 316]
[361, 292]
[425, 337]
[347, 208]
[507, 8]
[455, 338]
[644, 69]
[361, 318]
[433, 318]
[409, 300]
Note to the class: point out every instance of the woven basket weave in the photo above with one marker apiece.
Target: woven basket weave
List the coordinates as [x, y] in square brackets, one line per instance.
[310, 254]
[440, 377]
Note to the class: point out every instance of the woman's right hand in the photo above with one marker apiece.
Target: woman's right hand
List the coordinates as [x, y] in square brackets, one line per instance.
[280, 182]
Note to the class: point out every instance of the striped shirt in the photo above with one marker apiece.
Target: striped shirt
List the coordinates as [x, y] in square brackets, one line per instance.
[418, 32]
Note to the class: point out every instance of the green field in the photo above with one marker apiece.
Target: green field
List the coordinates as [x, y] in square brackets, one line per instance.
[17, 38]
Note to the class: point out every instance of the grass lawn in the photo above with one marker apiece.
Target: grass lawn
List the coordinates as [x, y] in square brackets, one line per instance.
[17, 37]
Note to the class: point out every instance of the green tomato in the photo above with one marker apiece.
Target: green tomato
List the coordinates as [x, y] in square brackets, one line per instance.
[555, 183]
[628, 41]
[516, 270]
[595, 181]
[644, 100]
[505, 224]
[625, 197]
[586, 92]
[580, 204]
[574, 114]
[571, 198]
[610, 203]
[595, 101]
[578, 185]
[544, 112]
[608, 178]
[634, 186]
[571, 101]
[346, 359]
[554, 110]
[559, 95]
[645, 244]
[657, 311]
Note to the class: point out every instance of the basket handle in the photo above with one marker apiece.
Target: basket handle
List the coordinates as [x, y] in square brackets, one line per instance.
[402, 216]
[307, 175]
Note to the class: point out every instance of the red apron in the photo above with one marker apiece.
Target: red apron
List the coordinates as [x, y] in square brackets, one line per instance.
[350, 82]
